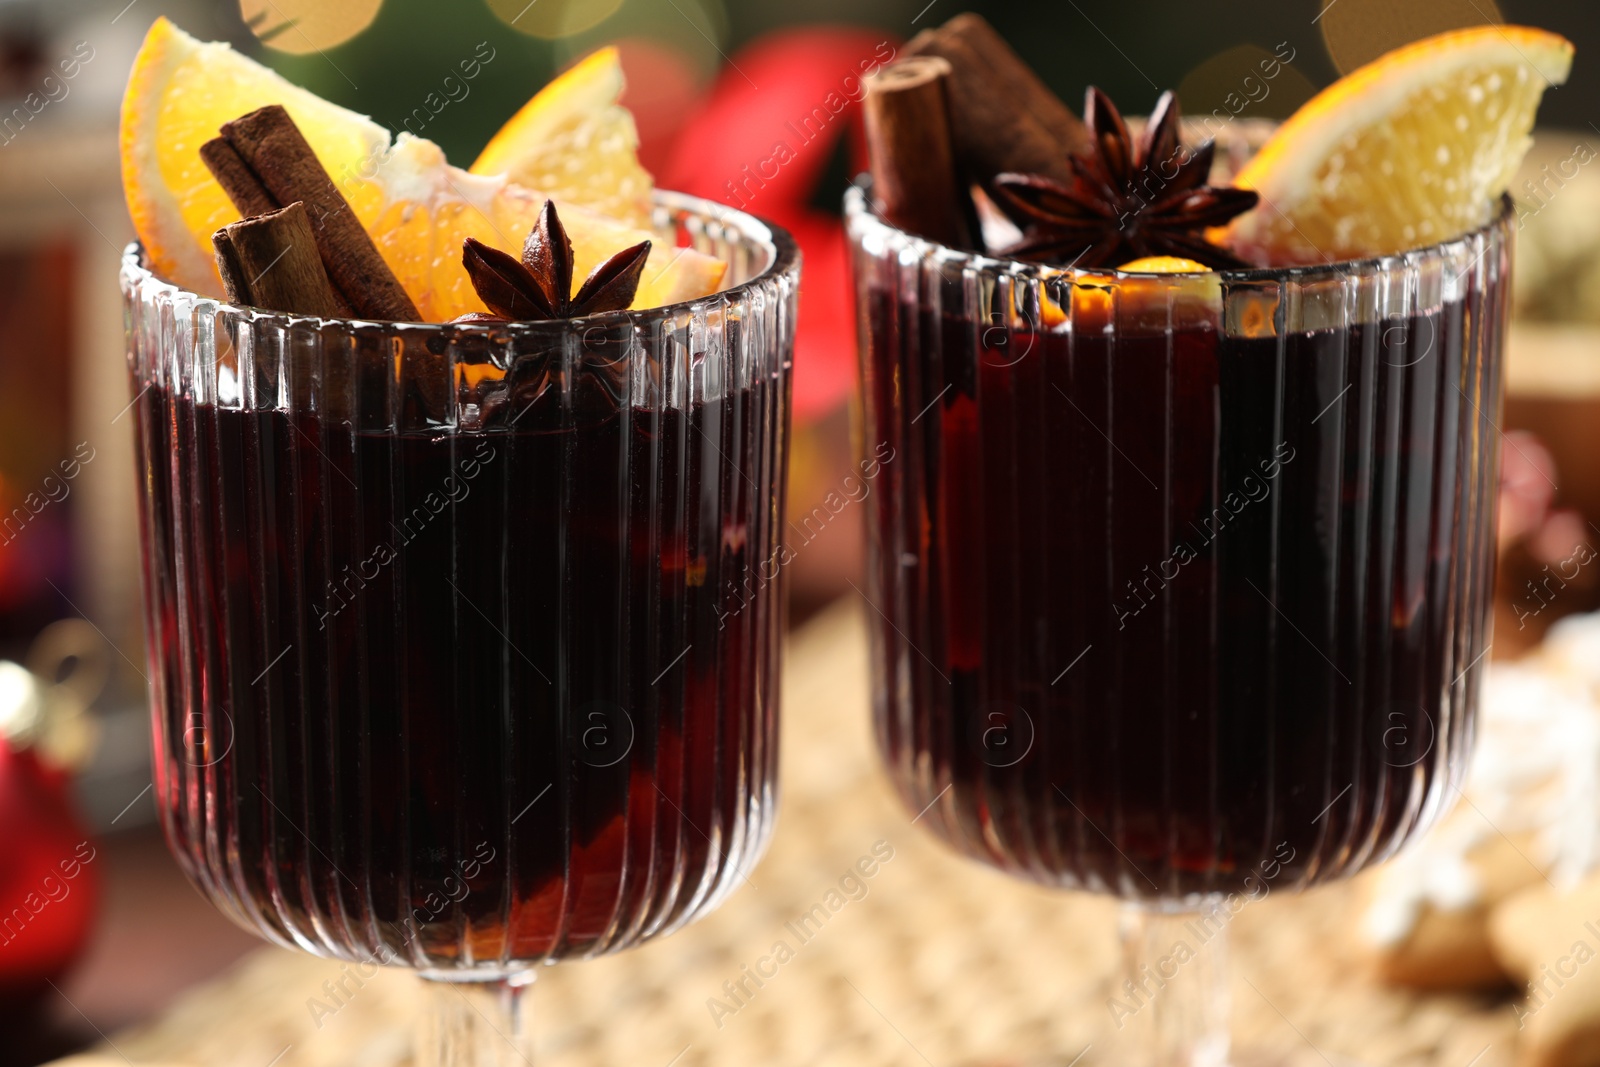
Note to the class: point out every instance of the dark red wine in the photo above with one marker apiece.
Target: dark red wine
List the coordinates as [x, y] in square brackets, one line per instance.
[1165, 607]
[463, 696]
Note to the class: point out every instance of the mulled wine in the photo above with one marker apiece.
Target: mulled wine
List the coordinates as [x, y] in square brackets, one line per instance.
[1173, 587]
[1180, 582]
[463, 698]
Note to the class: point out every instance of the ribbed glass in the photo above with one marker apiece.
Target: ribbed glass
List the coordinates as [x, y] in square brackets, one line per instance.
[1181, 584]
[463, 653]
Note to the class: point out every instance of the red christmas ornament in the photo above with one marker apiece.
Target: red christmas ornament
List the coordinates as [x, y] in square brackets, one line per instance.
[760, 142]
[49, 877]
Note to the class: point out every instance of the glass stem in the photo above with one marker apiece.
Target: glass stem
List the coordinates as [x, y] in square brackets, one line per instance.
[1174, 984]
[476, 1023]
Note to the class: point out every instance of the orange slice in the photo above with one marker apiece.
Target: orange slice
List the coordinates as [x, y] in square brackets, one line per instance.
[1163, 265]
[415, 205]
[575, 142]
[1410, 150]
[430, 207]
[179, 92]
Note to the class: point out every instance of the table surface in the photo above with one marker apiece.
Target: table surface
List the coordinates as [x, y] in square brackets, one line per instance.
[943, 962]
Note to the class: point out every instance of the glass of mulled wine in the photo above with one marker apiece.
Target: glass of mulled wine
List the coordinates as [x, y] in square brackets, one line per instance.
[1182, 582]
[441, 672]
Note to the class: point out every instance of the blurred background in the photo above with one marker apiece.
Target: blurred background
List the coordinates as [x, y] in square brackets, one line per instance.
[715, 86]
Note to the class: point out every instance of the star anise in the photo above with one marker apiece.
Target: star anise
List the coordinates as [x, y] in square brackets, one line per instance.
[539, 286]
[1126, 200]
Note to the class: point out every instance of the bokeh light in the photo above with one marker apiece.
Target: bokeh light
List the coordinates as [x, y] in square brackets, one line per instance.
[1247, 81]
[300, 27]
[696, 30]
[1358, 31]
[553, 19]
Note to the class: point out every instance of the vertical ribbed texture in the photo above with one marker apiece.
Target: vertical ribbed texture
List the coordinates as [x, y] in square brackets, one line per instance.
[464, 642]
[1182, 580]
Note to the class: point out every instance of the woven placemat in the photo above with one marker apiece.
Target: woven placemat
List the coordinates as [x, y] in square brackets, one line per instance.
[942, 963]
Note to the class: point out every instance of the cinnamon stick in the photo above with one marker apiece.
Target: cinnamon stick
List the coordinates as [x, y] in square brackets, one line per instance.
[271, 261]
[914, 182]
[273, 149]
[252, 199]
[236, 178]
[1019, 80]
[1003, 117]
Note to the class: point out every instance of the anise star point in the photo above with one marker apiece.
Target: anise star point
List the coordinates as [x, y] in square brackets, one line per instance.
[1127, 200]
[538, 287]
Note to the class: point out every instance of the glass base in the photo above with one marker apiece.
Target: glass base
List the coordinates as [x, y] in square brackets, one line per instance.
[476, 1022]
[1171, 1005]
[1172, 996]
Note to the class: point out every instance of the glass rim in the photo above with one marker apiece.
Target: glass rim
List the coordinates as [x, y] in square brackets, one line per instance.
[858, 211]
[782, 250]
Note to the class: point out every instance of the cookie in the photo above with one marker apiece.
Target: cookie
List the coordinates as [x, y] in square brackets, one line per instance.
[1529, 814]
[1550, 939]
[1448, 947]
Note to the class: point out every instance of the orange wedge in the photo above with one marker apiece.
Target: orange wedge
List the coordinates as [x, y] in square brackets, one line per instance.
[415, 205]
[574, 141]
[430, 207]
[179, 92]
[1410, 150]
[1163, 265]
